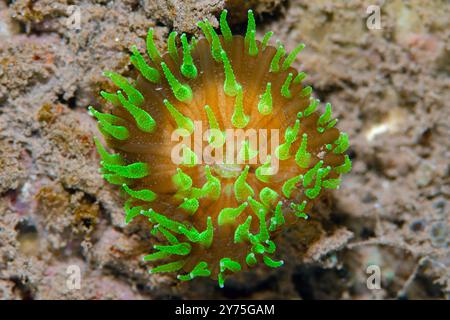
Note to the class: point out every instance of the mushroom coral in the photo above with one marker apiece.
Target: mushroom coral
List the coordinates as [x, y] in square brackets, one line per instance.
[214, 216]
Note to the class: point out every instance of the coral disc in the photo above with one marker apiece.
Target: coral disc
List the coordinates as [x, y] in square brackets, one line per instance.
[220, 145]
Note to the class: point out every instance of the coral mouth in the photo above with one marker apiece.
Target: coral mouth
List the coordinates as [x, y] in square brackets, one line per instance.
[227, 171]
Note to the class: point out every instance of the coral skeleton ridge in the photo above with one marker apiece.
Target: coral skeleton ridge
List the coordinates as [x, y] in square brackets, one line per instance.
[216, 219]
